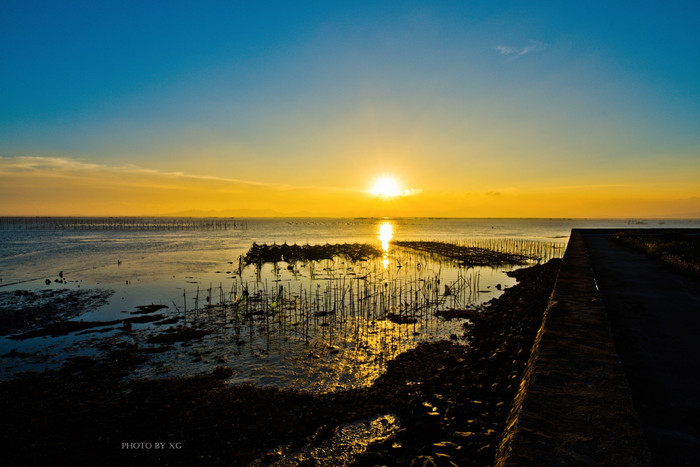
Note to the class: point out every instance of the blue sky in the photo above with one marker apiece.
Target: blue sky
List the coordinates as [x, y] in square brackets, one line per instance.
[293, 92]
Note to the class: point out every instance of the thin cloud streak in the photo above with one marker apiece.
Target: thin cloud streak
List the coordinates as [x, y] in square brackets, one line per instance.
[65, 166]
[516, 52]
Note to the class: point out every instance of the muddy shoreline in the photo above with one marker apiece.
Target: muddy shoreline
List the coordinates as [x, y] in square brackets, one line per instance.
[451, 402]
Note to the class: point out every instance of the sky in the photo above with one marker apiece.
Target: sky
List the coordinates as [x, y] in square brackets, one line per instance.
[474, 109]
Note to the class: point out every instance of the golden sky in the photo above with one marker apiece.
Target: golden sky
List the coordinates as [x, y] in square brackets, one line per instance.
[53, 186]
[234, 108]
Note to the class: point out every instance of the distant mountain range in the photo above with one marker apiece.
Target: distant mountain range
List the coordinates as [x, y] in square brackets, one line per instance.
[235, 213]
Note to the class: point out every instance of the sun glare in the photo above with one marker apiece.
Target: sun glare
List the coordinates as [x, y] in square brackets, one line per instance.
[386, 187]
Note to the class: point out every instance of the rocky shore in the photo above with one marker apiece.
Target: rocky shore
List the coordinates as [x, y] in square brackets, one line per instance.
[450, 403]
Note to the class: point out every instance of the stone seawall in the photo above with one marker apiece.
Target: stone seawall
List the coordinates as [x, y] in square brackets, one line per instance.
[573, 406]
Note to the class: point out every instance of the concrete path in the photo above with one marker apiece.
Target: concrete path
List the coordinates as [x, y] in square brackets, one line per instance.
[655, 317]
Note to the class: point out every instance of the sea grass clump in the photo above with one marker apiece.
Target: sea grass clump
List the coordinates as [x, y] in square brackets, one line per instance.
[259, 254]
[676, 249]
[468, 255]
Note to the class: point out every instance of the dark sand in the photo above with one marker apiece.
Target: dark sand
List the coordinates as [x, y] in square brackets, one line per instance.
[655, 317]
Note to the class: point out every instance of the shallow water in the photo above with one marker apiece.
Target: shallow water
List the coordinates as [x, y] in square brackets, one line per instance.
[316, 326]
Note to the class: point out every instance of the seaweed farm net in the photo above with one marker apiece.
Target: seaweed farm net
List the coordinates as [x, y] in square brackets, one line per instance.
[120, 223]
[327, 324]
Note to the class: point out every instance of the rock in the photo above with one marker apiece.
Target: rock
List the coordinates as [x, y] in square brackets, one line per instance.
[444, 447]
[423, 461]
[222, 372]
[443, 460]
[426, 431]
[484, 449]
[369, 458]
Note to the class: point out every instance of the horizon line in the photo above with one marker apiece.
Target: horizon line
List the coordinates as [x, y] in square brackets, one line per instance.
[176, 216]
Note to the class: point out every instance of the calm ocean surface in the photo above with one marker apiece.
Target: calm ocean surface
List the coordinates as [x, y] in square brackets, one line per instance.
[149, 262]
[44, 251]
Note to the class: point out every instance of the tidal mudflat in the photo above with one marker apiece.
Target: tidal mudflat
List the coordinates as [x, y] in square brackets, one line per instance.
[441, 400]
[315, 317]
[278, 352]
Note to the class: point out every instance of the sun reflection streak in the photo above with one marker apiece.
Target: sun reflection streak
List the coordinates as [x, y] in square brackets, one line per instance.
[386, 233]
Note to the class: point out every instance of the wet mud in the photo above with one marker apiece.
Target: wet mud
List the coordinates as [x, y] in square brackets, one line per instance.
[66, 327]
[448, 403]
[22, 310]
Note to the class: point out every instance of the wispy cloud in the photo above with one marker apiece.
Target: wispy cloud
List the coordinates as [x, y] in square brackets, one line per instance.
[513, 52]
[68, 186]
[61, 166]
[34, 164]
[594, 186]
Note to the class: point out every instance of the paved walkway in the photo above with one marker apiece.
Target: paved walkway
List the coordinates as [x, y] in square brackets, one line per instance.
[655, 318]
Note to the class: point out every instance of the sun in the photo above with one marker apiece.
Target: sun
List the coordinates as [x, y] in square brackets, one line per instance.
[386, 187]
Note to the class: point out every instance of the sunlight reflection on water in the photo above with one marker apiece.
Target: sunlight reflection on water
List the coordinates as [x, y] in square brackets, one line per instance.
[386, 234]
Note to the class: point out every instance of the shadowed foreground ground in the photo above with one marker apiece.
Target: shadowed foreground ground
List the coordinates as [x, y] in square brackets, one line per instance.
[451, 401]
